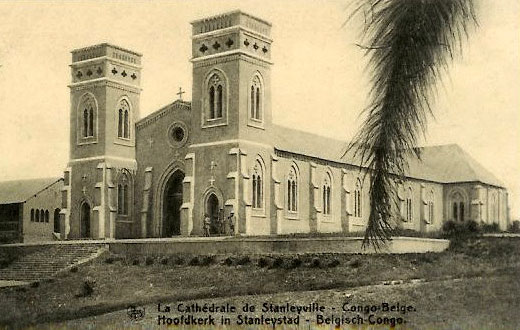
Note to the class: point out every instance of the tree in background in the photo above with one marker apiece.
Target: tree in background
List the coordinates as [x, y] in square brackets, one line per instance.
[410, 43]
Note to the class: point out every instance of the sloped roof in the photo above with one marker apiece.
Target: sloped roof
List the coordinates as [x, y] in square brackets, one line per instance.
[19, 191]
[444, 164]
[449, 164]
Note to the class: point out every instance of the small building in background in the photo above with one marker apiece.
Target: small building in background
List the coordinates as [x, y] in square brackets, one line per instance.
[30, 210]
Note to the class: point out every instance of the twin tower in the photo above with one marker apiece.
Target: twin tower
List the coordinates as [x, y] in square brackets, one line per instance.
[230, 101]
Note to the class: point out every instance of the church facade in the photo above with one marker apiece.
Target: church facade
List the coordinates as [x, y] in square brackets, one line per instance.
[158, 176]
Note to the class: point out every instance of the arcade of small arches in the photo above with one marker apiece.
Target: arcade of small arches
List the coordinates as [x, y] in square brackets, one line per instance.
[41, 215]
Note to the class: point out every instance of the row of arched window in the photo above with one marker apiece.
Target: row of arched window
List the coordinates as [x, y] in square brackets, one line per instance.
[407, 206]
[39, 215]
[292, 191]
[88, 109]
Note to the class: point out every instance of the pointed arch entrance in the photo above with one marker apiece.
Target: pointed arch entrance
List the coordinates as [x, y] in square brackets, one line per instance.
[85, 221]
[213, 207]
[172, 202]
[212, 210]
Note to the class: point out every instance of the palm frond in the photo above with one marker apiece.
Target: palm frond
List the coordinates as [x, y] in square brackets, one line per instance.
[410, 44]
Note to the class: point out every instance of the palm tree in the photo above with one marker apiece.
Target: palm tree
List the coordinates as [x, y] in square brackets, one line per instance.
[410, 43]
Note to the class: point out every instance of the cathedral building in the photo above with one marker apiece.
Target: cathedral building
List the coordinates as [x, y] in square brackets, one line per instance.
[159, 176]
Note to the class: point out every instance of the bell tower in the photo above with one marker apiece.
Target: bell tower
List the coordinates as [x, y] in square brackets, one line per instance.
[104, 99]
[231, 77]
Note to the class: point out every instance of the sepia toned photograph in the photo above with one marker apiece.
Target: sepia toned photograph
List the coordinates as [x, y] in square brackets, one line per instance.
[313, 164]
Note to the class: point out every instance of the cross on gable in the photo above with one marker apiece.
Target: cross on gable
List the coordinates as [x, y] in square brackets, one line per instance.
[84, 177]
[150, 142]
[212, 165]
[180, 93]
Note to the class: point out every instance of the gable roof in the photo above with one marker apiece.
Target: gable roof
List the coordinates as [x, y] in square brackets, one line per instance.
[156, 115]
[19, 191]
[443, 164]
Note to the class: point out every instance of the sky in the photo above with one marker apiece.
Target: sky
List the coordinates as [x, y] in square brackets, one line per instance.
[319, 78]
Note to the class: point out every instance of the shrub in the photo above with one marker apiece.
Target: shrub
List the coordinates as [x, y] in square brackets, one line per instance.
[164, 261]
[88, 287]
[315, 263]
[356, 263]
[109, 260]
[135, 262]
[515, 227]
[263, 262]
[490, 228]
[277, 263]
[35, 284]
[179, 261]
[452, 229]
[207, 260]
[333, 263]
[74, 269]
[194, 261]
[148, 261]
[228, 261]
[244, 260]
[295, 263]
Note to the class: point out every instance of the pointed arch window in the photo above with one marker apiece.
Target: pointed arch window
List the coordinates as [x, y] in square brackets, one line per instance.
[409, 205]
[255, 99]
[32, 215]
[292, 190]
[122, 195]
[430, 216]
[357, 200]
[123, 112]
[212, 102]
[87, 110]
[457, 202]
[216, 93]
[37, 215]
[219, 101]
[258, 185]
[326, 194]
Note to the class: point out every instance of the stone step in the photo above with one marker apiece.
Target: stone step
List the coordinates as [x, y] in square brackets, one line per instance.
[48, 261]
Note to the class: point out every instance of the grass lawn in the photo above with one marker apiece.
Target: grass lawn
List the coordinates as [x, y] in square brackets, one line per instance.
[489, 302]
[119, 283]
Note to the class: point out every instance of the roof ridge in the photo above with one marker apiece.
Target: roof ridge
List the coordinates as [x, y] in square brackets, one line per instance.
[143, 121]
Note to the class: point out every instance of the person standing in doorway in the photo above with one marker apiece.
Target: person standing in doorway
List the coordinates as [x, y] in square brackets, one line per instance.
[221, 222]
[206, 225]
[232, 223]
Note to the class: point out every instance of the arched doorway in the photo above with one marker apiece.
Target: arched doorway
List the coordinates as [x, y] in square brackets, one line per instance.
[57, 220]
[85, 221]
[171, 222]
[212, 210]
